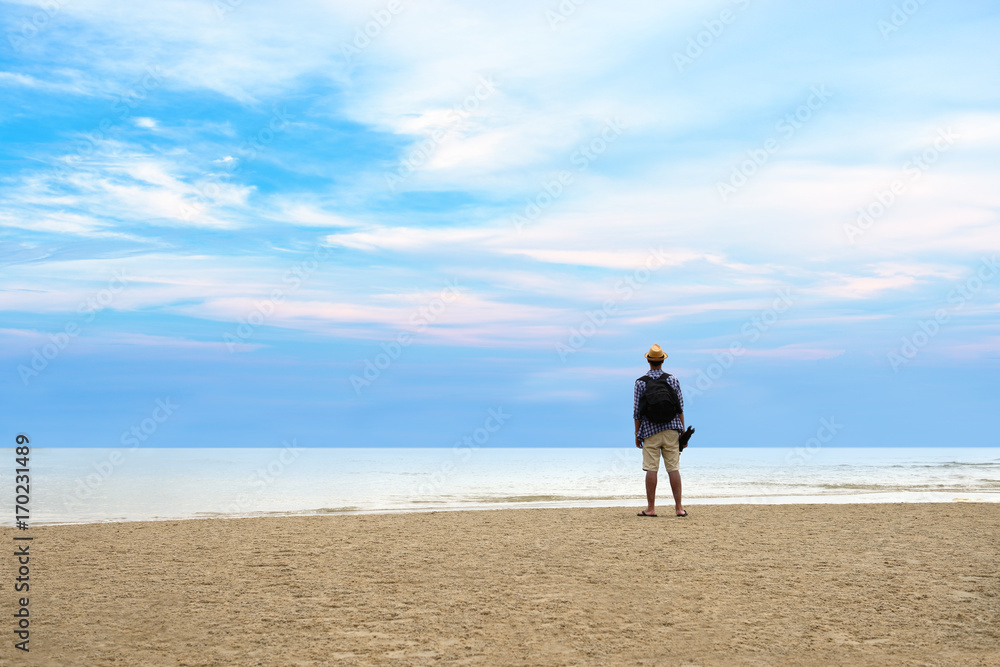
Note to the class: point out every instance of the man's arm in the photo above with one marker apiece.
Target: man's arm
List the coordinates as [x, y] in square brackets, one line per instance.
[636, 393]
[680, 399]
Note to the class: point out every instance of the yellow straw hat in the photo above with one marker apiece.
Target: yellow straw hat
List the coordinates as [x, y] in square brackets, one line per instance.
[656, 354]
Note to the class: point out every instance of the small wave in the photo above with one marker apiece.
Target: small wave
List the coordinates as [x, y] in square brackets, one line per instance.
[964, 488]
[897, 487]
[946, 464]
[982, 485]
[539, 498]
[338, 510]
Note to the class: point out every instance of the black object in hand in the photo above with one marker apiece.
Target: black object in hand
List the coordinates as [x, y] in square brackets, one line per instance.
[685, 436]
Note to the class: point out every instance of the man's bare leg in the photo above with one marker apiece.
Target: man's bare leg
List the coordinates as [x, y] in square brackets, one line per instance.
[651, 492]
[675, 488]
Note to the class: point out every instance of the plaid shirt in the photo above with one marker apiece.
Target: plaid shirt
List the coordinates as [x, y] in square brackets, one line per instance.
[648, 428]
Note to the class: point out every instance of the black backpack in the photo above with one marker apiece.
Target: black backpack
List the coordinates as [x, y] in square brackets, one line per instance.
[659, 403]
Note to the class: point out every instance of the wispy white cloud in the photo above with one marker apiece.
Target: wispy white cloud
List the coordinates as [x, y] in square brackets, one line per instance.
[409, 238]
[307, 215]
[796, 352]
[63, 82]
[116, 185]
[986, 348]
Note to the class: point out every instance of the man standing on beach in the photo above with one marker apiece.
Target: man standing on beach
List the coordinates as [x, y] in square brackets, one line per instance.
[655, 438]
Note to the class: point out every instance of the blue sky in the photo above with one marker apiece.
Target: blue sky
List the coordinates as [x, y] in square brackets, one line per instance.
[372, 223]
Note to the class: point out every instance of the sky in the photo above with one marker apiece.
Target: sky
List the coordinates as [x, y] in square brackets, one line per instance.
[238, 223]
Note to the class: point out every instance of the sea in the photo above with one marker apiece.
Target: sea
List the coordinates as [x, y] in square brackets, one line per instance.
[76, 485]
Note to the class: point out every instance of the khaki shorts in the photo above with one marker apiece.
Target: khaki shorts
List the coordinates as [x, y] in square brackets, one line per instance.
[668, 442]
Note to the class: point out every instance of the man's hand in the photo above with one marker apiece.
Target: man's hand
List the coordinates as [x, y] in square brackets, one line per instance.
[638, 441]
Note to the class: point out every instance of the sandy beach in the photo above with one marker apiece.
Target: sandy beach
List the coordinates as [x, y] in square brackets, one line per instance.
[900, 584]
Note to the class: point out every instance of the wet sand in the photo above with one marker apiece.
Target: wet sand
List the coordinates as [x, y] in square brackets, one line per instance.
[900, 584]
